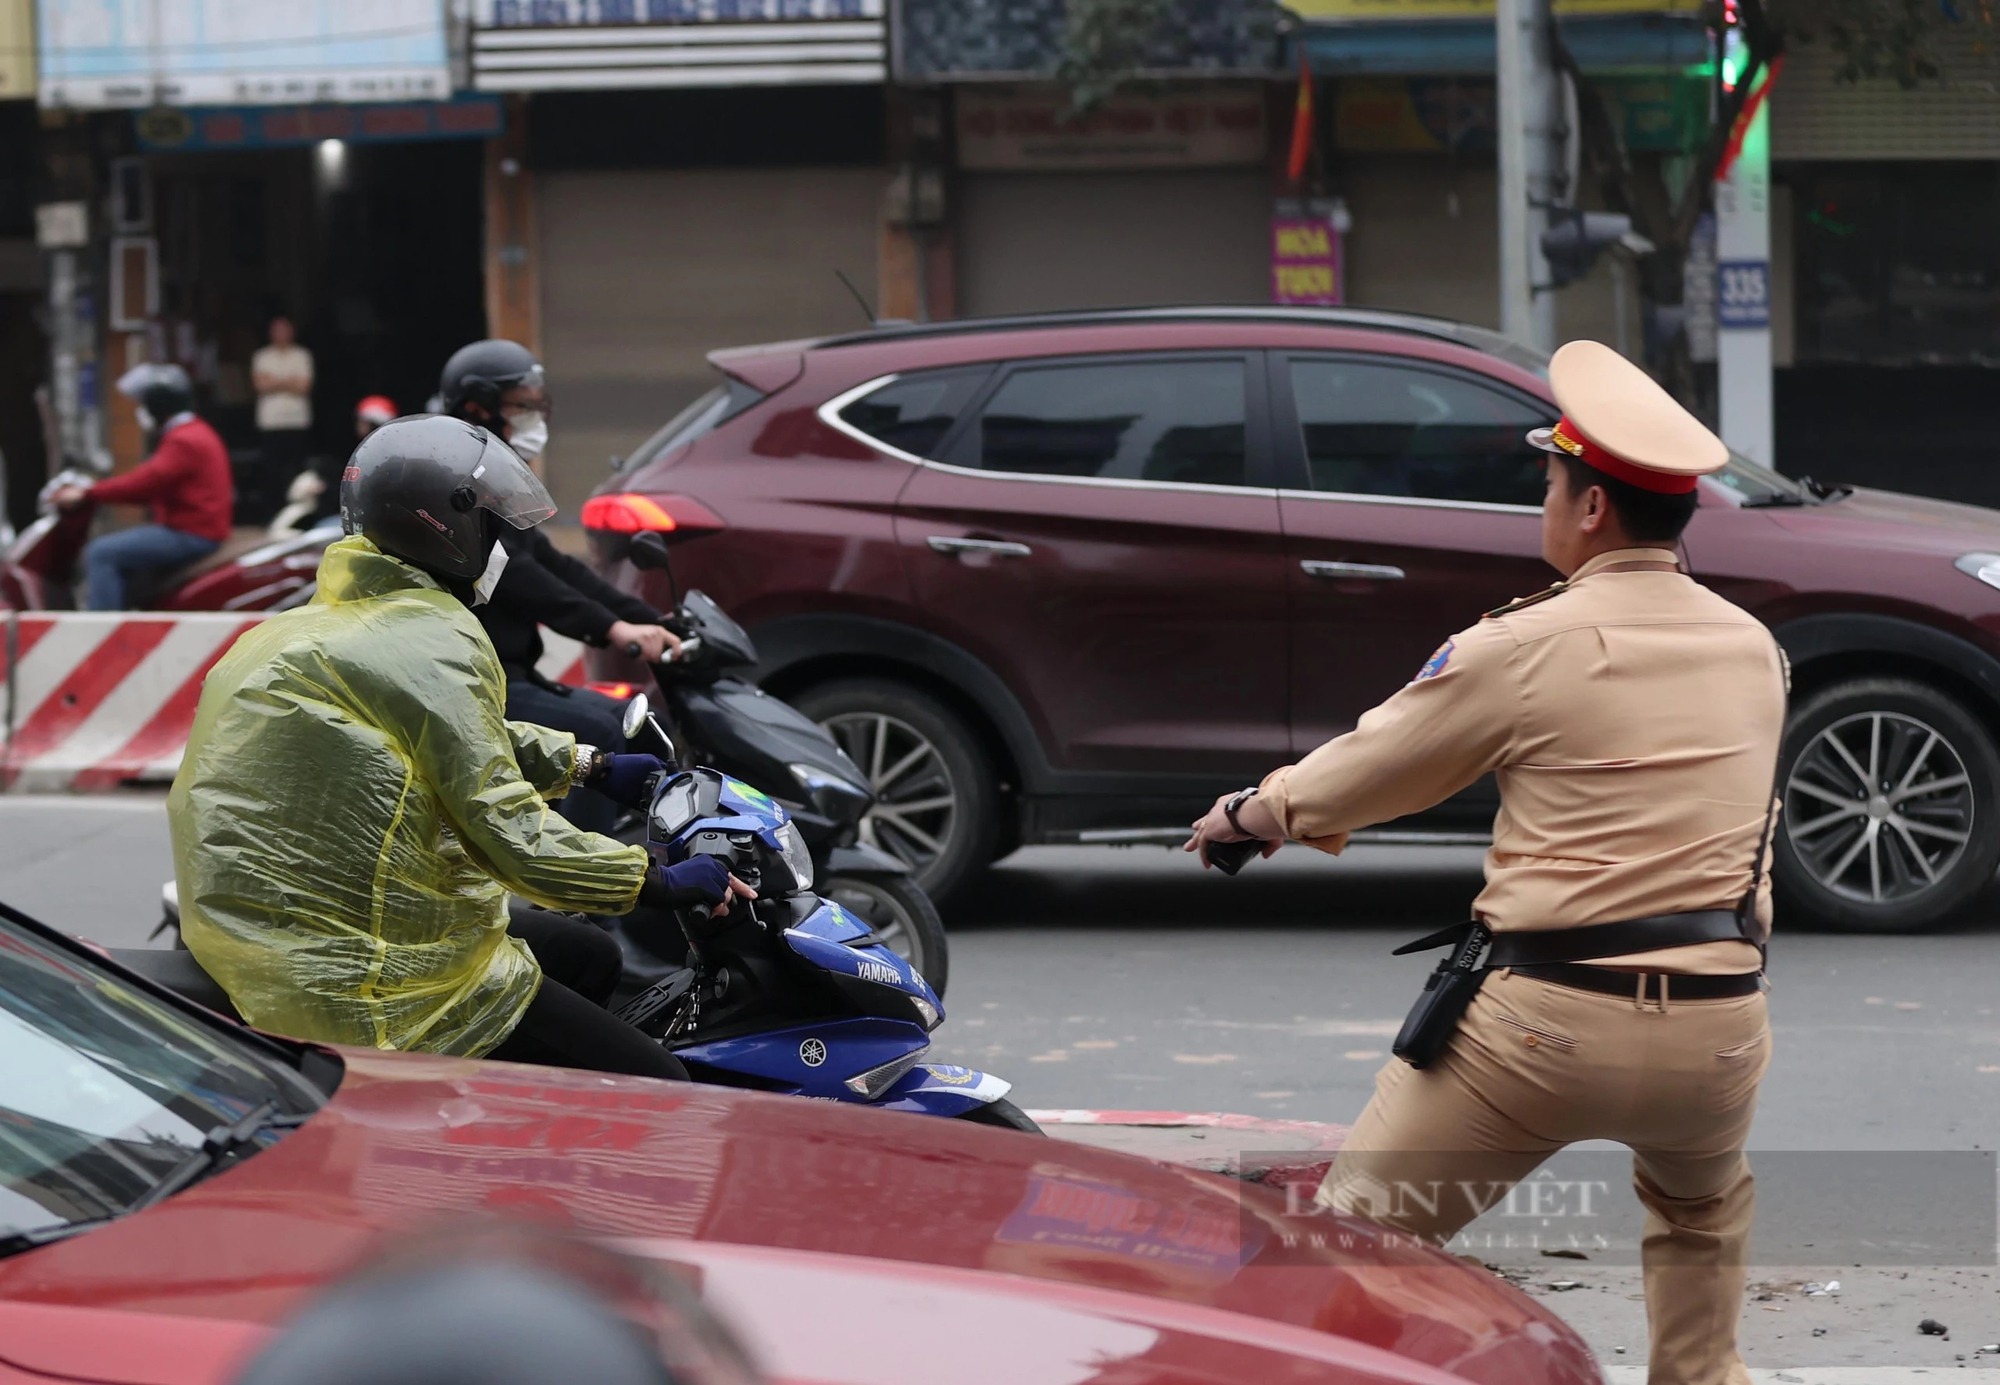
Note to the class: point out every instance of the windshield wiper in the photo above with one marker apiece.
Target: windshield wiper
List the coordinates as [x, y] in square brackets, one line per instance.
[1773, 500]
[1822, 491]
[221, 1143]
[14, 1242]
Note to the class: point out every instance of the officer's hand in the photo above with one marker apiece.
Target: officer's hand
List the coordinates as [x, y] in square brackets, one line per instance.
[626, 780]
[656, 642]
[1213, 828]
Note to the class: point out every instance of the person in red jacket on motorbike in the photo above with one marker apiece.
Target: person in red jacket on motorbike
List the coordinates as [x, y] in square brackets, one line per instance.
[186, 482]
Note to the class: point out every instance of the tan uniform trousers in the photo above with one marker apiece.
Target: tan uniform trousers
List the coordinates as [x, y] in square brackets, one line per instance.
[1535, 1067]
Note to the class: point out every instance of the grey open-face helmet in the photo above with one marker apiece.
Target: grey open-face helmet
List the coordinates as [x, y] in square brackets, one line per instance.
[433, 491]
[161, 388]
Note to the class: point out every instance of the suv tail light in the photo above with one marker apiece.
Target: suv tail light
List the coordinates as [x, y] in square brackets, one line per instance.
[628, 512]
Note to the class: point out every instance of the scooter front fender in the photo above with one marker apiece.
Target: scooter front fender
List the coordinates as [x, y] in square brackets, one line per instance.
[938, 1089]
[858, 858]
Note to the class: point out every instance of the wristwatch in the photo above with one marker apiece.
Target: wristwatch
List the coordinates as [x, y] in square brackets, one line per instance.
[586, 762]
[1234, 806]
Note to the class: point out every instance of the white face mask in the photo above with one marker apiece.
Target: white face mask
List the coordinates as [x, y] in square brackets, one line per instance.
[528, 434]
[496, 563]
[145, 418]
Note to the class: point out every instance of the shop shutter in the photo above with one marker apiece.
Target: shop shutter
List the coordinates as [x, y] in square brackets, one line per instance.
[1034, 242]
[1814, 116]
[646, 272]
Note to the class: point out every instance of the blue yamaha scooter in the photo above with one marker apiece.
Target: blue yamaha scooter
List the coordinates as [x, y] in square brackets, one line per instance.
[792, 993]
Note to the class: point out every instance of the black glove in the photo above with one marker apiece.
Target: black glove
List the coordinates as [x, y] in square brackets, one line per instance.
[697, 880]
[626, 780]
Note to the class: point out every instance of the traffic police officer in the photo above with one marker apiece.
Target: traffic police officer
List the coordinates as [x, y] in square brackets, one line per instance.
[1632, 718]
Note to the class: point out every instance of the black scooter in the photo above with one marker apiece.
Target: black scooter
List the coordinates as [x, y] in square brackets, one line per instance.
[723, 722]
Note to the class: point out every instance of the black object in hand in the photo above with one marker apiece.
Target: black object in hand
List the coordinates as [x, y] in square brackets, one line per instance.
[1230, 857]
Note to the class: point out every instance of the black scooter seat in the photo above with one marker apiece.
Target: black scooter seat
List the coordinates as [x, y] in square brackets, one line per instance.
[178, 972]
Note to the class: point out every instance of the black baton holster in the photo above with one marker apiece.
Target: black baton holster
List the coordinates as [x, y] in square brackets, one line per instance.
[1448, 990]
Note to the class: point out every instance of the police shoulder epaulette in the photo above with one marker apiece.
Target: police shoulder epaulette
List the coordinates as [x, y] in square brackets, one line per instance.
[1512, 606]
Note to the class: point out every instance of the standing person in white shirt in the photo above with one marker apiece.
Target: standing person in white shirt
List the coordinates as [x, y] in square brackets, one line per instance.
[282, 375]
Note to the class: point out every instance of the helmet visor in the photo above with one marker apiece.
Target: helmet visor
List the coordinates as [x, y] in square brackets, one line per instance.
[503, 484]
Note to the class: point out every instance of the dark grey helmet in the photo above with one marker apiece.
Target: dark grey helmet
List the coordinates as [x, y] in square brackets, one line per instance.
[484, 371]
[431, 491]
[162, 389]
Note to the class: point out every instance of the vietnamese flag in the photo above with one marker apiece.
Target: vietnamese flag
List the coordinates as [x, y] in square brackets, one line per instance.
[1302, 121]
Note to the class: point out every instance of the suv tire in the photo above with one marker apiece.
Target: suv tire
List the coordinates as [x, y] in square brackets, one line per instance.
[1891, 817]
[937, 801]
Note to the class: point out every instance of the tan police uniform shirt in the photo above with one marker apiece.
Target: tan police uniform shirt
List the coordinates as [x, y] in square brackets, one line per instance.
[1632, 719]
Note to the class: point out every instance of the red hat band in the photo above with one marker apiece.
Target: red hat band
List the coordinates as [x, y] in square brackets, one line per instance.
[1570, 439]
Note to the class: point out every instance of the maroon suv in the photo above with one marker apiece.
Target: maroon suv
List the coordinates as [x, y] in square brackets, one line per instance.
[1066, 578]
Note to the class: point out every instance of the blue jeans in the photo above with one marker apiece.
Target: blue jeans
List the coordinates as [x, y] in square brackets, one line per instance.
[148, 547]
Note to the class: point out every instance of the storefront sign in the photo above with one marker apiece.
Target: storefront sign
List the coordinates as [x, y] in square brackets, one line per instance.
[17, 49]
[1305, 255]
[141, 53]
[267, 127]
[1036, 128]
[1423, 114]
[582, 45]
[536, 14]
[1345, 10]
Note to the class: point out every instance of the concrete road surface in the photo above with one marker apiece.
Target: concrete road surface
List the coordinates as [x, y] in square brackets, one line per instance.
[1097, 977]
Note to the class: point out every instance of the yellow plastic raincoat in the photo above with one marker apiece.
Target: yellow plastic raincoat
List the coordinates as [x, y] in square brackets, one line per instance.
[353, 809]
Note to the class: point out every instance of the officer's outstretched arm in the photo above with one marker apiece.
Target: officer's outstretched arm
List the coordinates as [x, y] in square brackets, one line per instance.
[446, 714]
[1450, 724]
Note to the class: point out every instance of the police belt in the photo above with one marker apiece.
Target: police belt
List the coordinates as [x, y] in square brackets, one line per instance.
[1541, 947]
[1476, 950]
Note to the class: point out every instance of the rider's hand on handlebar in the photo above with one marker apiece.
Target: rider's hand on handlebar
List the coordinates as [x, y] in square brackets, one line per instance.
[626, 780]
[1214, 829]
[655, 643]
[69, 497]
[697, 880]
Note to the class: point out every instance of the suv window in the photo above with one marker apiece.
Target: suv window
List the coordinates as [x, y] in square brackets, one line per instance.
[1372, 428]
[1161, 420]
[912, 413]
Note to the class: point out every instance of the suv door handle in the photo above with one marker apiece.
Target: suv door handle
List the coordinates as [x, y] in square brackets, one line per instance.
[998, 548]
[1379, 572]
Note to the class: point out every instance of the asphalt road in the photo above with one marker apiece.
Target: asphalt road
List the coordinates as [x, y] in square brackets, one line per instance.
[1101, 977]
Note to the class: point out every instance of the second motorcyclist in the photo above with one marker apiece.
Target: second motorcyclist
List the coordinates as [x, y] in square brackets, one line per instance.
[501, 386]
[353, 807]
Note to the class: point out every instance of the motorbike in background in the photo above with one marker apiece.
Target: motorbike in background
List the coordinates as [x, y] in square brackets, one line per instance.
[254, 572]
[727, 723]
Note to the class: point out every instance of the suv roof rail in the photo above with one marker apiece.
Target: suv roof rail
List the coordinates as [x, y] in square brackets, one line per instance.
[1381, 319]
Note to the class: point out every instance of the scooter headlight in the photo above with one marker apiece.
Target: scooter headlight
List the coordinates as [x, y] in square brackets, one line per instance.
[798, 860]
[871, 1084]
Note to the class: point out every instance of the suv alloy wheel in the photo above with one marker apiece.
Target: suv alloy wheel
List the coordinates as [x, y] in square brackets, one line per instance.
[936, 808]
[1891, 794]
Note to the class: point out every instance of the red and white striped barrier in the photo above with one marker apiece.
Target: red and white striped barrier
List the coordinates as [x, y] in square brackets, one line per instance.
[96, 700]
[92, 701]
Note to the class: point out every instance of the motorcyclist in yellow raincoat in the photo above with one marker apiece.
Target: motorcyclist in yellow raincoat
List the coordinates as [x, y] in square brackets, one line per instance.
[353, 809]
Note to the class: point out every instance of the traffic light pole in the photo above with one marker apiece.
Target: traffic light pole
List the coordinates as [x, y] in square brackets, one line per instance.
[1527, 146]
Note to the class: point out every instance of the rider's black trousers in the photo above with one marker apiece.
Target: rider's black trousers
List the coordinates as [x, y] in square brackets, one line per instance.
[566, 1024]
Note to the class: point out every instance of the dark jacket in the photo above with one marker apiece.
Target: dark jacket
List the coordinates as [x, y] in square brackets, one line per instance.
[545, 586]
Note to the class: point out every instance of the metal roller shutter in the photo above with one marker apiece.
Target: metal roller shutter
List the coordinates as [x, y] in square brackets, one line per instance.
[1033, 242]
[1813, 116]
[644, 273]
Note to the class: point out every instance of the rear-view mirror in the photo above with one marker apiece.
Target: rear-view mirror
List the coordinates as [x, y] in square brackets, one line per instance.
[649, 551]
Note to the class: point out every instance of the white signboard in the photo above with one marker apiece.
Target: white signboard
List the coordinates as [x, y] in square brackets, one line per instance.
[140, 53]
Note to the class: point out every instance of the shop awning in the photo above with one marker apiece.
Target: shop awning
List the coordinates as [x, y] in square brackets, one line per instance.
[1455, 37]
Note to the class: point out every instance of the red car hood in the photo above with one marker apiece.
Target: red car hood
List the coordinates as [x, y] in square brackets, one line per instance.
[1884, 519]
[845, 1245]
